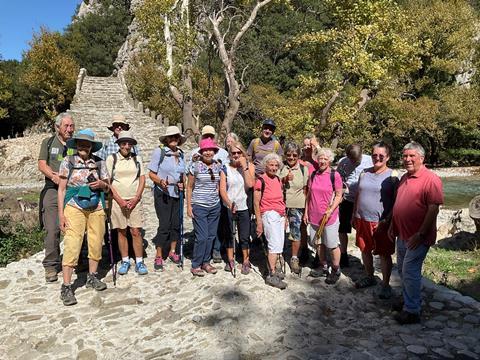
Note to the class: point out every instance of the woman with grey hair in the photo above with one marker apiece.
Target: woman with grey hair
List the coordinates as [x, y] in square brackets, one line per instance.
[294, 176]
[270, 215]
[230, 139]
[321, 213]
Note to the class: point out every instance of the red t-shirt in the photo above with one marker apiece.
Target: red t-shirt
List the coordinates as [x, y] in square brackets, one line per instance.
[272, 198]
[321, 195]
[415, 193]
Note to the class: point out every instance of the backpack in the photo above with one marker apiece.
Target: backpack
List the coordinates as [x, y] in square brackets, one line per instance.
[163, 153]
[256, 143]
[137, 164]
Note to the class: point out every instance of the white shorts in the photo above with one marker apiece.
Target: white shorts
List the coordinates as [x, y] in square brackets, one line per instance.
[274, 230]
[329, 236]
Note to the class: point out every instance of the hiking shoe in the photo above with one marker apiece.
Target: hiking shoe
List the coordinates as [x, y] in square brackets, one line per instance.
[51, 275]
[158, 264]
[229, 266]
[174, 258]
[366, 281]
[344, 262]
[295, 265]
[141, 268]
[333, 277]
[197, 272]
[385, 292]
[405, 318]
[280, 274]
[209, 269]
[124, 267]
[319, 272]
[67, 295]
[275, 281]
[397, 304]
[94, 282]
[217, 257]
[246, 268]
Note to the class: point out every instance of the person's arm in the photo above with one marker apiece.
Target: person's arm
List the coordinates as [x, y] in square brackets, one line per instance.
[47, 171]
[430, 217]
[248, 172]
[188, 194]
[336, 201]
[258, 216]
[223, 190]
[307, 201]
[63, 223]
[138, 194]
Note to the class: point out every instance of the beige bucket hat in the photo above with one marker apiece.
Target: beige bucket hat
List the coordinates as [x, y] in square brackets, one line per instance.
[119, 119]
[126, 136]
[173, 130]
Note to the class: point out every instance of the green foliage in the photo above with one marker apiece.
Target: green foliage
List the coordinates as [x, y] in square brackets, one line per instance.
[94, 39]
[18, 242]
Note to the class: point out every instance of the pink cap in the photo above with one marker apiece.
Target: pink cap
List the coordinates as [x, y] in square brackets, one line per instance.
[208, 143]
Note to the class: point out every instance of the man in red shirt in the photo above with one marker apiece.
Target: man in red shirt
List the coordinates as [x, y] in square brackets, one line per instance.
[420, 194]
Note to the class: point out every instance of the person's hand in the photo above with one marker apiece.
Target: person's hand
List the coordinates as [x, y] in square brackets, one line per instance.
[132, 203]
[181, 187]
[305, 218]
[63, 223]
[164, 184]
[55, 178]
[122, 203]
[97, 185]
[290, 175]
[259, 228]
[243, 162]
[233, 208]
[391, 233]
[190, 211]
[415, 240]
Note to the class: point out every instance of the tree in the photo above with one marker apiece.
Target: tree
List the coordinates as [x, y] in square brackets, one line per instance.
[5, 95]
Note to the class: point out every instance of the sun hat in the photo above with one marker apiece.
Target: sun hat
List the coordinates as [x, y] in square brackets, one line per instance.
[474, 208]
[126, 136]
[173, 130]
[208, 130]
[119, 119]
[206, 144]
[85, 134]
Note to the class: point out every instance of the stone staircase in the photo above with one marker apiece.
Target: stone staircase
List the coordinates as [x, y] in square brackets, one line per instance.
[97, 99]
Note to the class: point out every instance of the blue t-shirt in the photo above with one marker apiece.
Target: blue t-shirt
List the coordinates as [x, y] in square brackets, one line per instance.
[171, 168]
[207, 181]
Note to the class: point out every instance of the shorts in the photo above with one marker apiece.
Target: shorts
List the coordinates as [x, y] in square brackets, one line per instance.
[329, 236]
[121, 218]
[345, 214]
[274, 230]
[365, 240]
[295, 220]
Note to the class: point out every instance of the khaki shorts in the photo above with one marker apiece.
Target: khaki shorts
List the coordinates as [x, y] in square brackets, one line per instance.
[79, 221]
[121, 218]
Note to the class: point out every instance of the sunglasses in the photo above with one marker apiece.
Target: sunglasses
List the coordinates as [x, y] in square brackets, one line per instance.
[212, 175]
[174, 136]
[379, 156]
[123, 126]
[236, 152]
[292, 155]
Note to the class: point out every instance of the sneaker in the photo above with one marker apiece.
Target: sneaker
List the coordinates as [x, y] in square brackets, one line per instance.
[246, 268]
[344, 262]
[405, 317]
[51, 275]
[124, 267]
[158, 263]
[295, 265]
[333, 277]
[280, 274]
[229, 266]
[67, 295]
[365, 282]
[94, 282]
[275, 281]
[217, 257]
[385, 292]
[319, 272]
[174, 258]
[209, 269]
[197, 272]
[141, 268]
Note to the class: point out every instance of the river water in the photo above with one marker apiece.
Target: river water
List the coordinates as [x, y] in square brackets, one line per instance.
[459, 190]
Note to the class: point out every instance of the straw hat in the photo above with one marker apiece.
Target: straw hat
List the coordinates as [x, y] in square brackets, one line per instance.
[206, 144]
[173, 130]
[208, 130]
[126, 136]
[119, 119]
[85, 134]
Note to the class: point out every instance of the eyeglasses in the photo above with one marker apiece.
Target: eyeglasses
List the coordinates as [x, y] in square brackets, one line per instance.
[380, 156]
[236, 152]
[212, 176]
[292, 155]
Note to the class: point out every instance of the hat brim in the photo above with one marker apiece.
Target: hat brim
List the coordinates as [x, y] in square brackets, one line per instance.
[215, 149]
[182, 140]
[111, 126]
[96, 145]
[132, 140]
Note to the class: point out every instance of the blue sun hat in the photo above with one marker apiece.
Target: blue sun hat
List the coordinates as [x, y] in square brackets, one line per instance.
[85, 134]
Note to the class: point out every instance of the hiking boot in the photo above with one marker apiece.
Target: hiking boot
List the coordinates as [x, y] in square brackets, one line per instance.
[333, 277]
[209, 269]
[246, 268]
[295, 265]
[365, 282]
[405, 318]
[174, 257]
[197, 272]
[67, 295]
[344, 262]
[385, 292]
[124, 267]
[94, 282]
[141, 268]
[229, 266]
[275, 281]
[158, 264]
[51, 275]
[397, 304]
[217, 257]
[319, 272]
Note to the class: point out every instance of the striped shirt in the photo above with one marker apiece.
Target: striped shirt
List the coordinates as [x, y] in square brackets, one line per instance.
[205, 189]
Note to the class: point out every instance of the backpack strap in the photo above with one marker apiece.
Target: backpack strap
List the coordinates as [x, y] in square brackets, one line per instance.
[49, 147]
[115, 158]
[276, 146]
[262, 188]
[256, 142]
[332, 177]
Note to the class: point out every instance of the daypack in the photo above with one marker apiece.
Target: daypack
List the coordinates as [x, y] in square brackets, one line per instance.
[256, 143]
[163, 153]
[115, 159]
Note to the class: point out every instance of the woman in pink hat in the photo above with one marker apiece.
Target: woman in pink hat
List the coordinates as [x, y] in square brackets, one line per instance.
[203, 205]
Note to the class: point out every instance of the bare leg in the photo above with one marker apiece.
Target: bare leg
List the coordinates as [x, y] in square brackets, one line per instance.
[173, 246]
[295, 248]
[137, 242]
[272, 260]
[123, 242]
[159, 252]
[335, 254]
[343, 241]
[246, 255]
[386, 264]
[67, 274]
[229, 254]
[322, 254]
[367, 259]
[92, 266]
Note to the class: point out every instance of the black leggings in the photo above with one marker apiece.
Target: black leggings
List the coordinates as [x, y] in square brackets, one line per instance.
[243, 226]
[168, 214]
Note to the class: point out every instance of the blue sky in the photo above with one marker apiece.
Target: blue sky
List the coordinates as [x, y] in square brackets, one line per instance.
[19, 19]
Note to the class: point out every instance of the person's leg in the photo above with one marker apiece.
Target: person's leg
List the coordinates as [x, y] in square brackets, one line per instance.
[123, 243]
[95, 232]
[162, 209]
[213, 218]
[386, 265]
[345, 228]
[51, 260]
[412, 278]
[174, 229]
[330, 241]
[273, 227]
[222, 233]
[72, 240]
[200, 227]
[137, 241]
[367, 260]
[401, 250]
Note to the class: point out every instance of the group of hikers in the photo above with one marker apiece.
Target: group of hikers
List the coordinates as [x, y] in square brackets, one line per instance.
[287, 191]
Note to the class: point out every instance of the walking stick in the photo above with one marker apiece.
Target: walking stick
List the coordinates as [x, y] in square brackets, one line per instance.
[113, 264]
[319, 231]
[181, 224]
[234, 233]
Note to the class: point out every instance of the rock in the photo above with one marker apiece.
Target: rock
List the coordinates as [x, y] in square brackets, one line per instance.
[196, 319]
[433, 324]
[87, 354]
[4, 284]
[468, 354]
[436, 305]
[159, 354]
[473, 319]
[67, 321]
[457, 344]
[29, 318]
[443, 353]
[417, 349]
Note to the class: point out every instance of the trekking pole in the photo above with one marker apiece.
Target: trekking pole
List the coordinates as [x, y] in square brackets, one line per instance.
[234, 233]
[113, 264]
[181, 224]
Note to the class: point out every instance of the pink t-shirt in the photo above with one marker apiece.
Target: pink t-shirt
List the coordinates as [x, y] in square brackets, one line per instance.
[272, 198]
[321, 195]
[414, 194]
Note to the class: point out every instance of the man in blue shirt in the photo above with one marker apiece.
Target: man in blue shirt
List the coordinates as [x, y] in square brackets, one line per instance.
[110, 146]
